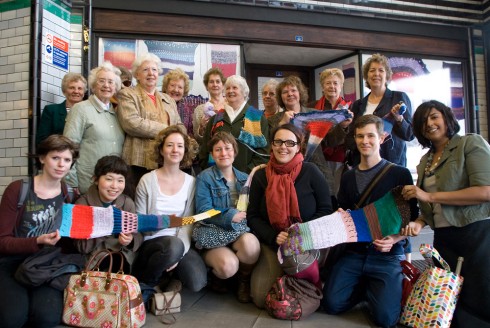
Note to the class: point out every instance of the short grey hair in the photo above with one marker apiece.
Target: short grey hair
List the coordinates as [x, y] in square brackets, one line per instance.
[144, 58]
[107, 67]
[272, 83]
[72, 77]
[241, 82]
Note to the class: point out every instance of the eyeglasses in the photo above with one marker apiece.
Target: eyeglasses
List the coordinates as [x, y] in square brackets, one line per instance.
[104, 81]
[279, 142]
[127, 83]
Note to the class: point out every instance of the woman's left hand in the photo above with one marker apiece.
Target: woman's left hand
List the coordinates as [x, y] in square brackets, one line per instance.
[395, 113]
[125, 238]
[239, 217]
[411, 191]
[384, 245]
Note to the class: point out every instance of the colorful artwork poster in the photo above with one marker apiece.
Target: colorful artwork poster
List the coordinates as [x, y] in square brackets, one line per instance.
[119, 52]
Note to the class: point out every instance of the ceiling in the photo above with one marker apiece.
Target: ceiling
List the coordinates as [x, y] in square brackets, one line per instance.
[257, 53]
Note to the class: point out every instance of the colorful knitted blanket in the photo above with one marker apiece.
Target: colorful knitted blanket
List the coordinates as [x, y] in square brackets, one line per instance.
[86, 222]
[382, 218]
[316, 125]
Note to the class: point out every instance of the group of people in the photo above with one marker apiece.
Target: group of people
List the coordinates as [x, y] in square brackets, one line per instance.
[135, 148]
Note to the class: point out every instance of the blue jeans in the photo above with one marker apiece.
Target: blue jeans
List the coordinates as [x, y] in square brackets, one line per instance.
[192, 271]
[19, 305]
[375, 278]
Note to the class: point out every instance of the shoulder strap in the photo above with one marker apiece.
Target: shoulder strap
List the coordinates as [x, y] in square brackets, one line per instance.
[373, 183]
[24, 189]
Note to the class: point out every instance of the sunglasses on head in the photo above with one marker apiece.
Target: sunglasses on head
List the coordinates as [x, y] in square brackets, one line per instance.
[127, 83]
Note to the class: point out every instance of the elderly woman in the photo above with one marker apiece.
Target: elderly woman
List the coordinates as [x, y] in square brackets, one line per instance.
[143, 112]
[453, 191]
[53, 118]
[382, 102]
[332, 81]
[287, 180]
[246, 123]
[93, 125]
[269, 98]
[214, 81]
[176, 85]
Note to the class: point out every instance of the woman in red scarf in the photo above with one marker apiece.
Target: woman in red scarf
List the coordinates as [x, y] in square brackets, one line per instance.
[287, 191]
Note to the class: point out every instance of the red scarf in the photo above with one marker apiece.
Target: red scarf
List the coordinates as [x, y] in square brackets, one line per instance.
[280, 194]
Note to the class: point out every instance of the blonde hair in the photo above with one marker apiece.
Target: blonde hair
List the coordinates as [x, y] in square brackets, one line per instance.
[176, 74]
[331, 72]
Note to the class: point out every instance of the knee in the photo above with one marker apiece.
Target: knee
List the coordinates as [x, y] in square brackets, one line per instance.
[248, 248]
[226, 267]
[331, 305]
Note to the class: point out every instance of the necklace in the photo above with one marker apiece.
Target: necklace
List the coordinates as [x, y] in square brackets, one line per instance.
[431, 167]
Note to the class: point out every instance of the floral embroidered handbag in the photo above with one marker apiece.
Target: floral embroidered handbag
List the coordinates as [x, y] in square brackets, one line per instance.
[103, 299]
[433, 298]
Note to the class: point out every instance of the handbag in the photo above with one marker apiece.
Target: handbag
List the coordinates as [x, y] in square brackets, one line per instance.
[103, 299]
[291, 298]
[433, 298]
[208, 235]
[165, 304]
[410, 276]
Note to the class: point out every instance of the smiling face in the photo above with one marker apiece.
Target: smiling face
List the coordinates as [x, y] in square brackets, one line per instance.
[105, 86]
[291, 98]
[215, 85]
[234, 95]
[269, 97]
[368, 140]
[223, 154]
[282, 153]
[332, 87]
[173, 149]
[74, 92]
[435, 128]
[110, 186]
[147, 76]
[175, 89]
[376, 76]
[56, 164]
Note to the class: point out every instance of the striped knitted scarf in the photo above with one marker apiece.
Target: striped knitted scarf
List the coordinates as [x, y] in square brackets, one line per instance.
[382, 218]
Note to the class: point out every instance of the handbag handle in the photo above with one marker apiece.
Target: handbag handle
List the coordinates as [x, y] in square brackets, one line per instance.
[428, 251]
[106, 252]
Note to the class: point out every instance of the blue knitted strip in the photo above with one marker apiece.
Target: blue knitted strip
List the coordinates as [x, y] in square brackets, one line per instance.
[362, 228]
[151, 222]
[66, 223]
[117, 220]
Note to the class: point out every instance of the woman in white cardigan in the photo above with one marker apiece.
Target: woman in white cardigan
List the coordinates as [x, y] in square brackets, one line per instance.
[169, 190]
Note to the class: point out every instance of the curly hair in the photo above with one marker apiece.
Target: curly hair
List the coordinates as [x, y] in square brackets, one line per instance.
[331, 72]
[380, 59]
[294, 81]
[420, 121]
[191, 147]
[213, 71]
[176, 74]
[72, 77]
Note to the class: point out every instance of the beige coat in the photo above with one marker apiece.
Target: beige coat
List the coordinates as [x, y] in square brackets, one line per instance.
[142, 121]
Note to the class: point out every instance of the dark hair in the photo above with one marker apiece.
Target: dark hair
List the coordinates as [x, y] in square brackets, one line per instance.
[420, 121]
[115, 164]
[300, 137]
[213, 71]
[56, 142]
[191, 146]
[369, 119]
[226, 137]
[294, 81]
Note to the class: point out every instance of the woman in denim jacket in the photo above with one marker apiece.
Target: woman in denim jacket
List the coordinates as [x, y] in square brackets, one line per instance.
[218, 187]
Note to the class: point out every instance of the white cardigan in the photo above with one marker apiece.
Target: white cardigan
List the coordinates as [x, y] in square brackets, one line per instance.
[146, 198]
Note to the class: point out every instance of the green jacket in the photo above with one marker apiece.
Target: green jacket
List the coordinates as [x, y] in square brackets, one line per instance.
[52, 121]
[464, 164]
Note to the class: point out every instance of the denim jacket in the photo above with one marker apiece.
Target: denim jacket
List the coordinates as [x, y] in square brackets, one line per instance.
[212, 192]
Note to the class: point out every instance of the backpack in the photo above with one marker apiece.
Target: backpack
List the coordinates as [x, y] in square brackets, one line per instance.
[291, 298]
[70, 194]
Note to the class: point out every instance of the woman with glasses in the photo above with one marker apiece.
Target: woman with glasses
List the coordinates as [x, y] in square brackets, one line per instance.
[143, 112]
[94, 126]
[287, 191]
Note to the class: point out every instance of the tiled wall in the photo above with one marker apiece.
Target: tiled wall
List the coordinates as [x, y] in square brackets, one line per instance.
[14, 90]
[481, 86]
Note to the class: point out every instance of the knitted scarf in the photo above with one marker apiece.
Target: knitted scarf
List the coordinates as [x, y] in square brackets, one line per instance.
[280, 194]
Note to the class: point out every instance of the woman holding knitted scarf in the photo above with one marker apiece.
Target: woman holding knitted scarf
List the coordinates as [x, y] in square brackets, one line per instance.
[246, 123]
[275, 194]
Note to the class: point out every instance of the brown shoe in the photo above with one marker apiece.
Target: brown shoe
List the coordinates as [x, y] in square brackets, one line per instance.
[243, 292]
[216, 284]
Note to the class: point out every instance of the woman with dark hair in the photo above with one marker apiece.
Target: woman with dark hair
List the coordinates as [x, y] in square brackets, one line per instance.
[453, 191]
[28, 228]
[169, 190]
[218, 187]
[107, 189]
[381, 102]
[287, 191]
